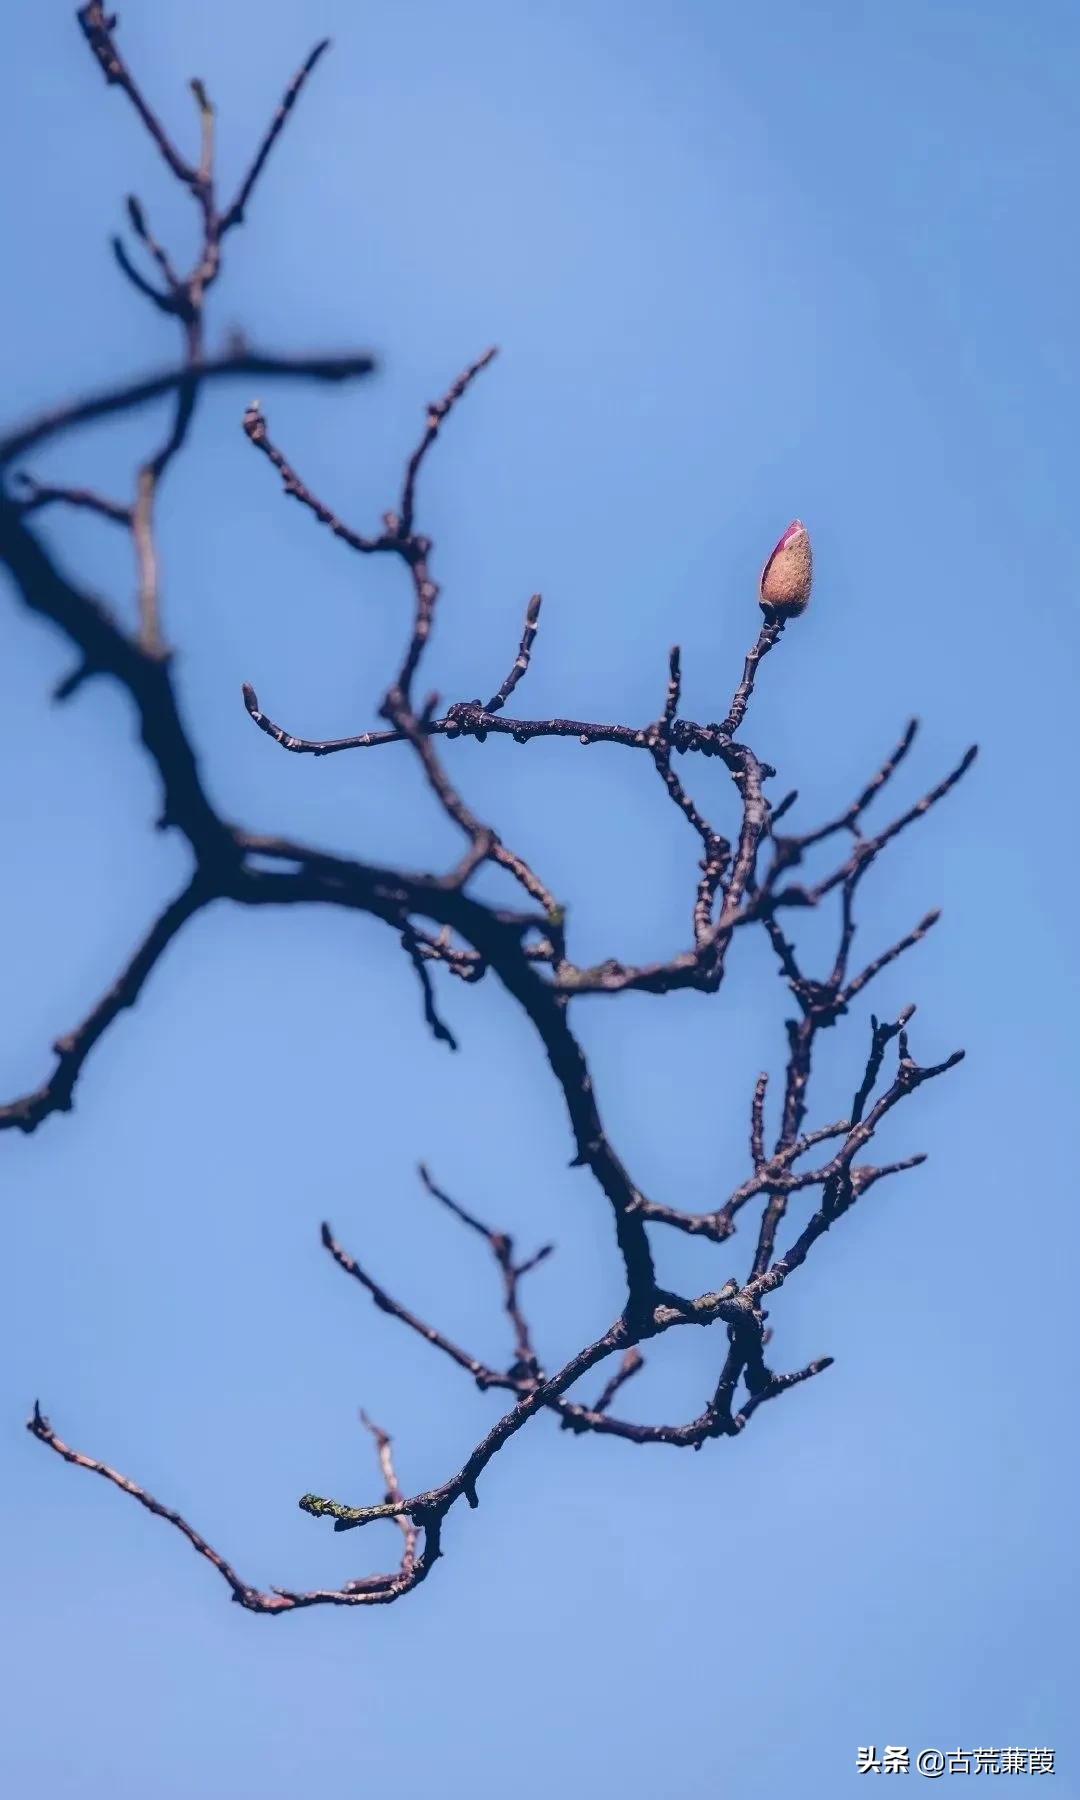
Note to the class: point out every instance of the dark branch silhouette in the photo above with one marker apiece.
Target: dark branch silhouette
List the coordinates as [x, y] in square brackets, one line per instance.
[750, 878]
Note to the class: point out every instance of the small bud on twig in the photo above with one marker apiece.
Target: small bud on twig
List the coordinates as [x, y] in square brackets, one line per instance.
[788, 574]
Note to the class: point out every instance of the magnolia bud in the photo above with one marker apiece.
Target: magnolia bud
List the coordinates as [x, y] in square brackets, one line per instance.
[788, 574]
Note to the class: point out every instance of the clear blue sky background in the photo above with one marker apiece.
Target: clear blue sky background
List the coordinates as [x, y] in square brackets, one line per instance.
[743, 262]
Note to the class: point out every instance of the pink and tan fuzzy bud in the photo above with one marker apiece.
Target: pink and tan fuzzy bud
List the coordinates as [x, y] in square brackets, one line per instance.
[787, 576]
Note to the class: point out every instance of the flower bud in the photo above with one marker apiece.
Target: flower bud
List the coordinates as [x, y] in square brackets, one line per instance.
[787, 576]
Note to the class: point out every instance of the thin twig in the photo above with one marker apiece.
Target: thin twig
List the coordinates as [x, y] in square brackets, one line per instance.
[233, 214]
[521, 662]
[35, 495]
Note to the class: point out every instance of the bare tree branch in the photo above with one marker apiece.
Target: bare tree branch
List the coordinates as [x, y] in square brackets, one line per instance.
[747, 880]
[369, 1590]
[37, 494]
[72, 1050]
[233, 214]
[346, 366]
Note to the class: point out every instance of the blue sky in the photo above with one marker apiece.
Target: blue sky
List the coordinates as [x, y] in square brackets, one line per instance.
[742, 263]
